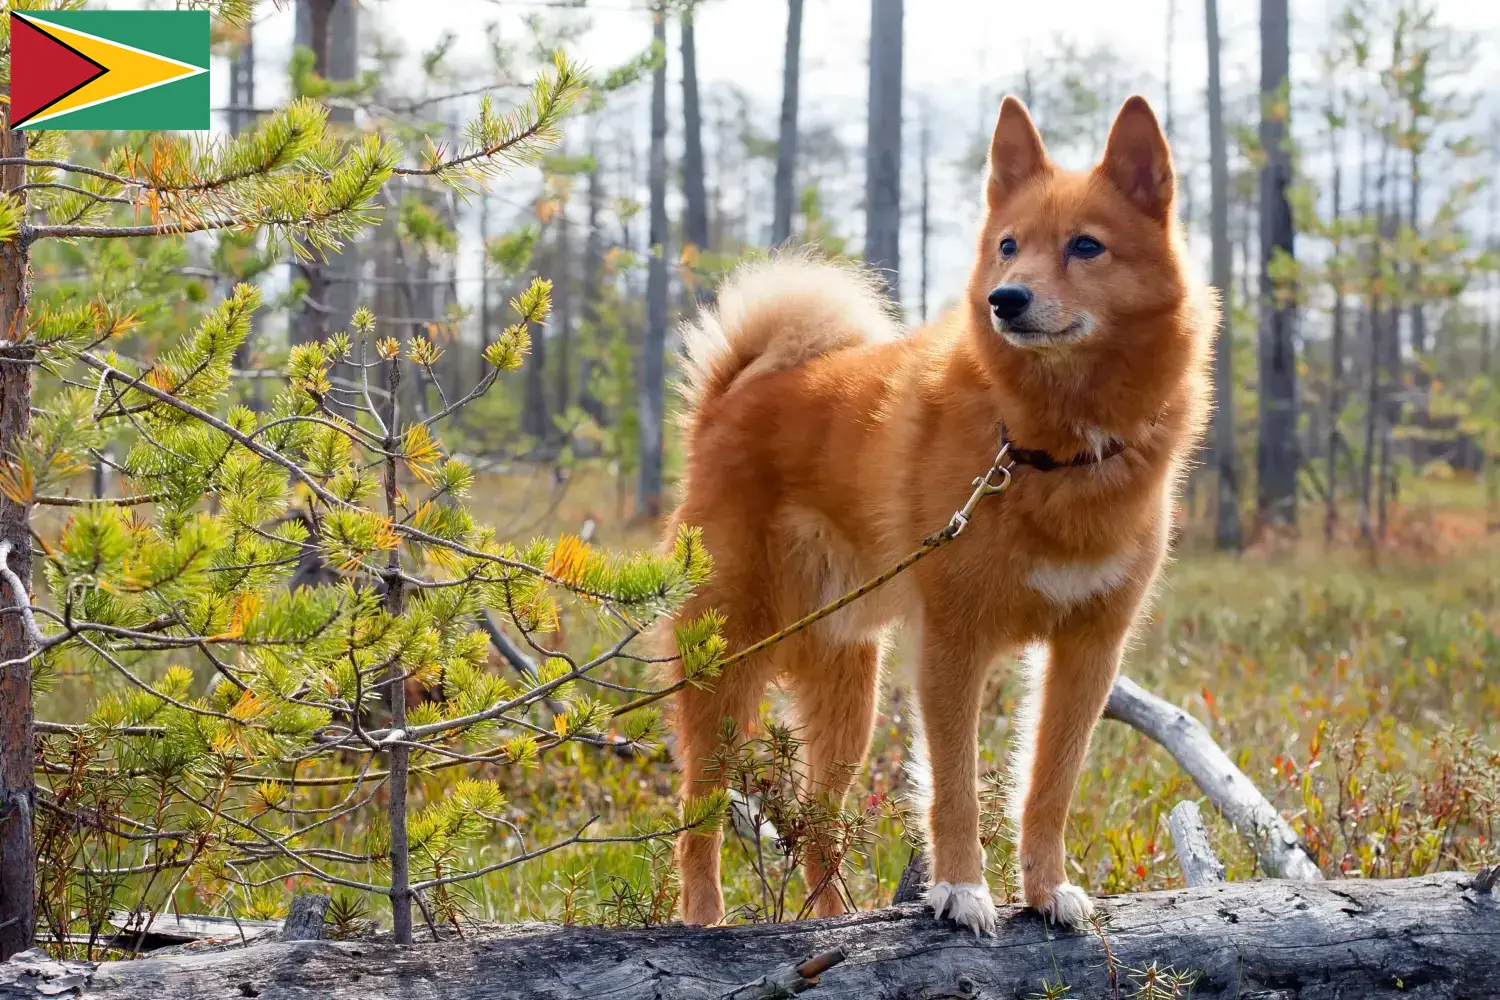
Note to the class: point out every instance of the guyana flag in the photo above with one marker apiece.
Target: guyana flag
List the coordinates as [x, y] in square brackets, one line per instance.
[109, 69]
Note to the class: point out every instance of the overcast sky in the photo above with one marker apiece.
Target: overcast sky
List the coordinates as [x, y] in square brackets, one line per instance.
[956, 53]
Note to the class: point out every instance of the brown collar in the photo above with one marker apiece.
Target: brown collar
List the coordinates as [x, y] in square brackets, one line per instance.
[1044, 462]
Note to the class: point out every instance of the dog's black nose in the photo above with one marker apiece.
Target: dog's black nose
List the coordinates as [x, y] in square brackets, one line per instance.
[1010, 301]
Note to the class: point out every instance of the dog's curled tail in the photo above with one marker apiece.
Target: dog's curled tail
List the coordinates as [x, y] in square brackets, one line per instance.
[777, 313]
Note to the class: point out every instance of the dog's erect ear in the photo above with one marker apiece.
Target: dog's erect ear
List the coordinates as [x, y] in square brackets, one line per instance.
[1137, 160]
[1016, 152]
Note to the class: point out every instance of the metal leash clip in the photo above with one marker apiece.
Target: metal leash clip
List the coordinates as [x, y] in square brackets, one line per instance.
[985, 485]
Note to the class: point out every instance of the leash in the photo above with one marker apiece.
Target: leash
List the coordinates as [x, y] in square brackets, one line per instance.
[995, 480]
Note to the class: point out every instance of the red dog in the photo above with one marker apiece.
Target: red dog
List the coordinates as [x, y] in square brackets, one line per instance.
[825, 445]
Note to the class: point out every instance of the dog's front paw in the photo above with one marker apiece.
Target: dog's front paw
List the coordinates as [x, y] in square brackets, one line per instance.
[1065, 905]
[967, 904]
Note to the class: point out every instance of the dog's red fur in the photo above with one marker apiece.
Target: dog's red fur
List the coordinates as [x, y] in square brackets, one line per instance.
[824, 446]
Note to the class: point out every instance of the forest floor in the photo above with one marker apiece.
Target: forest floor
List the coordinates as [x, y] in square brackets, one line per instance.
[1359, 688]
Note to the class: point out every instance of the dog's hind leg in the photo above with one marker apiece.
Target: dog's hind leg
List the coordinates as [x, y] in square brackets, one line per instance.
[700, 716]
[835, 684]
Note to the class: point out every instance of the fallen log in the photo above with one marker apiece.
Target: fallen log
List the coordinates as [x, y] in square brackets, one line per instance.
[1432, 938]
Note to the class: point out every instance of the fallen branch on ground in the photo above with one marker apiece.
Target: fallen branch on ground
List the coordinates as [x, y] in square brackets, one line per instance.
[1275, 843]
[1433, 937]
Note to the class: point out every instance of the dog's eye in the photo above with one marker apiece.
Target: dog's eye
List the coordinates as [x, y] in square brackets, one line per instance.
[1007, 248]
[1085, 247]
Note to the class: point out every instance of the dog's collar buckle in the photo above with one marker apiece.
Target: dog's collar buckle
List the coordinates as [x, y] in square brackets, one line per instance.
[995, 480]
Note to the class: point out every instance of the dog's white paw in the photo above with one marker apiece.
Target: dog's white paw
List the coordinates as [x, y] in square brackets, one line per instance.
[1067, 906]
[967, 904]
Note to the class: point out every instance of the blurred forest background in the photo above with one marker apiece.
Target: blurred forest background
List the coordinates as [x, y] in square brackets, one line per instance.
[1332, 614]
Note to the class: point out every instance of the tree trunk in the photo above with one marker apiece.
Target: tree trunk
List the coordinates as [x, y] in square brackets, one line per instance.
[562, 308]
[242, 84]
[330, 29]
[242, 119]
[694, 193]
[591, 280]
[1426, 938]
[17, 785]
[1227, 531]
[786, 146]
[1277, 452]
[1335, 372]
[926, 148]
[1372, 417]
[534, 413]
[480, 365]
[1487, 342]
[652, 400]
[1166, 79]
[398, 758]
[883, 145]
[1419, 344]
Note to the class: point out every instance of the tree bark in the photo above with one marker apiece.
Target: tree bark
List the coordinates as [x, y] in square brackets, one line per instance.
[1200, 865]
[1277, 452]
[591, 282]
[330, 29]
[17, 759]
[1419, 344]
[926, 206]
[883, 145]
[1166, 78]
[398, 758]
[535, 420]
[1426, 938]
[786, 145]
[1335, 368]
[304, 920]
[562, 307]
[241, 119]
[479, 364]
[1227, 518]
[652, 399]
[694, 192]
